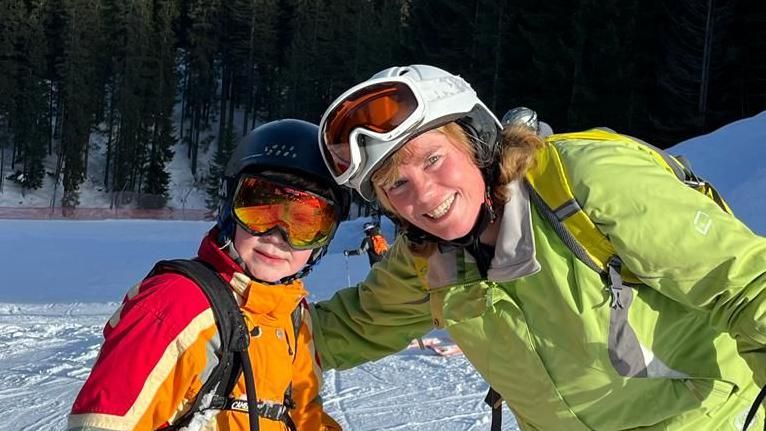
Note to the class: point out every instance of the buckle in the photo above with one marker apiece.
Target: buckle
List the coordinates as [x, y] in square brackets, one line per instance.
[273, 411]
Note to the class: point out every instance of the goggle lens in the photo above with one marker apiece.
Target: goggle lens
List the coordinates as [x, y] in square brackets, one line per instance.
[380, 108]
[306, 219]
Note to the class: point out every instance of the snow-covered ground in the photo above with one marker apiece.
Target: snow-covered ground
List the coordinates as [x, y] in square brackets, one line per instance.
[733, 158]
[61, 280]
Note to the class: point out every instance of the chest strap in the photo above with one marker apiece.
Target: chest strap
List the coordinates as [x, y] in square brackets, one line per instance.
[266, 409]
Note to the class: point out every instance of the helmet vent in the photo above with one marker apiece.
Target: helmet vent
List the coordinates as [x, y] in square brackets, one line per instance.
[281, 151]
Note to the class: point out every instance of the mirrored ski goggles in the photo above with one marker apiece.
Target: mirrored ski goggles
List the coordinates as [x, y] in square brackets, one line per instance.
[306, 220]
[381, 109]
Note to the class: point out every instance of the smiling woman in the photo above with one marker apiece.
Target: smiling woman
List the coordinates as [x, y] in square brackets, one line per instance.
[492, 220]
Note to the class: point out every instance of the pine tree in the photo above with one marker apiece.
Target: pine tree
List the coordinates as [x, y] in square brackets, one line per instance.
[216, 169]
[203, 38]
[692, 62]
[30, 115]
[741, 90]
[611, 65]
[260, 60]
[10, 11]
[129, 29]
[160, 99]
[75, 68]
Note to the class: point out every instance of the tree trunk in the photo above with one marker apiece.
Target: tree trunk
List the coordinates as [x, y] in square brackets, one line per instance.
[498, 48]
[109, 140]
[706, 55]
[249, 102]
[230, 122]
[184, 99]
[50, 118]
[195, 140]
[222, 108]
[2, 166]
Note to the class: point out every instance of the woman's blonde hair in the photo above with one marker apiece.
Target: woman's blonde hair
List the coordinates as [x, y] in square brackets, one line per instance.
[516, 155]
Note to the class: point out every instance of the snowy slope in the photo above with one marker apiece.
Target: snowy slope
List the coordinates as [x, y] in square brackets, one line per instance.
[62, 280]
[733, 158]
[186, 190]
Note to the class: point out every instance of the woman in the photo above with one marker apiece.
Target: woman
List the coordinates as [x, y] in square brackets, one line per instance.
[278, 211]
[566, 347]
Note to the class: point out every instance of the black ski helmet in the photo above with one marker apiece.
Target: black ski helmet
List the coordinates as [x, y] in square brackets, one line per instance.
[286, 146]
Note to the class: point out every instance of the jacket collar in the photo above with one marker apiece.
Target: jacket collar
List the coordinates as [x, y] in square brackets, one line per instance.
[258, 298]
[514, 250]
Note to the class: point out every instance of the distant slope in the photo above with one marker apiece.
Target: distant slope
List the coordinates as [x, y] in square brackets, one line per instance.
[733, 158]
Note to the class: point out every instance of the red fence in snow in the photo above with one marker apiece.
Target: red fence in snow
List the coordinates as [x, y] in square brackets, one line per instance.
[104, 213]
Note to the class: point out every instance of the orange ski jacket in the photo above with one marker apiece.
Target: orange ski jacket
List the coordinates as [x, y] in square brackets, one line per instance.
[160, 345]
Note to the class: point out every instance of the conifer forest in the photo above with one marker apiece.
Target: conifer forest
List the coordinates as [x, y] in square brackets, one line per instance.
[158, 77]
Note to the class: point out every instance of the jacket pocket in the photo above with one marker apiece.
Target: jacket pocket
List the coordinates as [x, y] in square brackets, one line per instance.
[710, 393]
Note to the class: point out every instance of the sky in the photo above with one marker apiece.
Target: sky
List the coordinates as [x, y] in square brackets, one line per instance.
[60, 281]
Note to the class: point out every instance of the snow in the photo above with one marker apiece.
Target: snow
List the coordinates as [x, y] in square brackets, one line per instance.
[187, 191]
[733, 158]
[61, 280]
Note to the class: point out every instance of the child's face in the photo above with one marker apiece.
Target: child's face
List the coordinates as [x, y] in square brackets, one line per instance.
[269, 257]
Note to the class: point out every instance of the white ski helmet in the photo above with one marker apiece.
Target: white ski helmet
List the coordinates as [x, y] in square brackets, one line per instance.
[373, 119]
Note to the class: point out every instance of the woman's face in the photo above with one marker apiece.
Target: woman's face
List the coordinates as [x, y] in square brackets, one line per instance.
[269, 257]
[438, 188]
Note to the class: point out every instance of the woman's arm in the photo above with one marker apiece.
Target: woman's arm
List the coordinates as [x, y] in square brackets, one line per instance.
[378, 317]
[675, 239]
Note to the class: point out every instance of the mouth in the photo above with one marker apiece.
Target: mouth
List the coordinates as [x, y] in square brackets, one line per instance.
[268, 256]
[442, 209]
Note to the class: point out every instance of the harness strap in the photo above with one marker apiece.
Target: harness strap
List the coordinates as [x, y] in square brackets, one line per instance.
[495, 402]
[252, 397]
[615, 284]
[234, 359]
[268, 410]
[226, 311]
[754, 409]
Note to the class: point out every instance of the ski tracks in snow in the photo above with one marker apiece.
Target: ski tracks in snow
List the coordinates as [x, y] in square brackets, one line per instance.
[46, 352]
[413, 390]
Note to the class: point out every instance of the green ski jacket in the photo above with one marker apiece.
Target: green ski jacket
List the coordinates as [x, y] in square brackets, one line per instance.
[539, 328]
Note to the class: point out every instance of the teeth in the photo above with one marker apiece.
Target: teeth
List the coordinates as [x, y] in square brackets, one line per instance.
[442, 208]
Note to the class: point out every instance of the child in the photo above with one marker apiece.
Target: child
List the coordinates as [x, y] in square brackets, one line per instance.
[279, 208]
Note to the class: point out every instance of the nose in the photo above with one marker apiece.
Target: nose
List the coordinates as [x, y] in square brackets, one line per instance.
[421, 187]
[276, 236]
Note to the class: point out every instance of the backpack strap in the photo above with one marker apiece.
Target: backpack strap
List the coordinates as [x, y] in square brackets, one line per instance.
[495, 401]
[234, 358]
[551, 192]
[233, 334]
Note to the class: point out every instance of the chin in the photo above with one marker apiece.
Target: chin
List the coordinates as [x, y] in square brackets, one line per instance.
[270, 279]
[452, 235]
[267, 276]
[449, 234]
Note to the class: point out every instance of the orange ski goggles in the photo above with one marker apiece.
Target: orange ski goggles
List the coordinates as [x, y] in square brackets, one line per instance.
[381, 109]
[305, 220]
